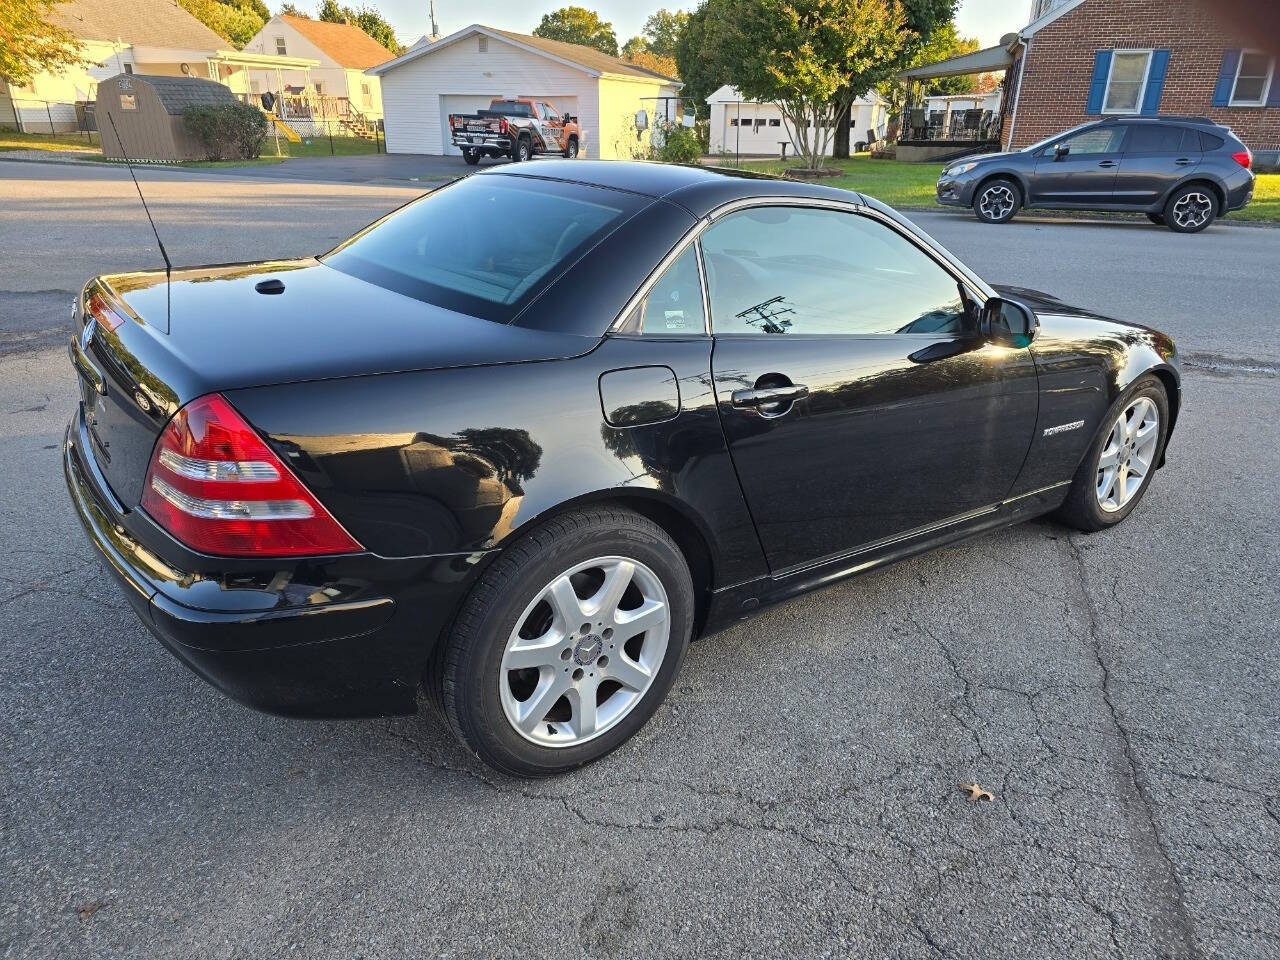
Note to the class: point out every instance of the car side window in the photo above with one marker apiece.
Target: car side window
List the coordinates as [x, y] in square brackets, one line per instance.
[673, 305]
[1154, 138]
[551, 116]
[1097, 140]
[811, 271]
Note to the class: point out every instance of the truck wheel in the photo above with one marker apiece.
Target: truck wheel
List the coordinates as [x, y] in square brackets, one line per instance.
[522, 151]
[471, 155]
[571, 148]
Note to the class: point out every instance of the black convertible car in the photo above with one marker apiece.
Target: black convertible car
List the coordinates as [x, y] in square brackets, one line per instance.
[519, 441]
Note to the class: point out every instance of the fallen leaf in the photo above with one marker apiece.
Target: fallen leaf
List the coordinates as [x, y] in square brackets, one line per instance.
[976, 792]
[89, 909]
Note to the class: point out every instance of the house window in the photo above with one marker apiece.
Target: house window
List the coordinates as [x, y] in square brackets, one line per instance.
[483, 44]
[280, 51]
[775, 122]
[1253, 79]
[1127, 81]
[733, 123]
[319, 85]
[128, 68]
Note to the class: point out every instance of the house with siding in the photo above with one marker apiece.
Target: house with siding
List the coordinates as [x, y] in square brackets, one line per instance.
[1076, 60]
[465, 71]
[152, 37]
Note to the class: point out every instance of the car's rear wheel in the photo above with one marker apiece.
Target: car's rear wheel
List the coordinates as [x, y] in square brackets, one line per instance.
[1118, 468]
[567, 644]
[1156, 218]
[571, 148]
[1191, 209]
[997, 201]
[472, 156]
[523, 150]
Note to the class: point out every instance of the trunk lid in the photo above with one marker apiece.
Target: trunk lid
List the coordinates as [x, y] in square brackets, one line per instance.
[225, 334]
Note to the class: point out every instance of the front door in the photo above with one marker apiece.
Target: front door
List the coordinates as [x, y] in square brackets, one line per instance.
[1080, 168]
[858, 402]
[1156, 156]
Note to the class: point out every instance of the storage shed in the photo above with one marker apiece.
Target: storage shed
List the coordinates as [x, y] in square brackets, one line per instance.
[148, 113]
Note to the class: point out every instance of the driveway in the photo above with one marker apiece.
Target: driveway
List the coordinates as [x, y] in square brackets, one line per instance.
[797, 795]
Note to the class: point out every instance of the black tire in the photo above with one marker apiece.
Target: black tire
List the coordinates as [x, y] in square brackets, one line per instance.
[471, 156]
[1082, 509]
[1191, 208]
[571, 148]
[522, 150]
[467, 669]
[1156, 218]
[998, 200]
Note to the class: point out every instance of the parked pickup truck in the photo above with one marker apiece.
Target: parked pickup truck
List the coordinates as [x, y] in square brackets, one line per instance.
[518, 128]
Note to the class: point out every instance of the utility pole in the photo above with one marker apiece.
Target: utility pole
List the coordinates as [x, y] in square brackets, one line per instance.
[435, 31]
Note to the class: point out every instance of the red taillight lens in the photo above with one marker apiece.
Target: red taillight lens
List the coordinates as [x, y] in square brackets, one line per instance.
[101, 311]
[1244, 158]
[218, 488]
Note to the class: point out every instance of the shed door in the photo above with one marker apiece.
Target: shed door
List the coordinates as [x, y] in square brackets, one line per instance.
[460, 103]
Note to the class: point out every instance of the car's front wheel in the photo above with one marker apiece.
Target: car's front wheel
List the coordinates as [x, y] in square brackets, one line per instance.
[997, 200]
[568, 643]
[1120, 464]
[1190, 209]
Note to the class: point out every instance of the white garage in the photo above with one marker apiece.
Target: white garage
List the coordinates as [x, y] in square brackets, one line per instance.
[463, 72]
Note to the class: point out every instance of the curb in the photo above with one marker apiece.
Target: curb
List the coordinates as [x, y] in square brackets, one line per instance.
[1073, 216]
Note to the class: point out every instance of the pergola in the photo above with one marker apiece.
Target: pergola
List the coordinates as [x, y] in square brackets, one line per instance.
[269, 63]
[918, 134]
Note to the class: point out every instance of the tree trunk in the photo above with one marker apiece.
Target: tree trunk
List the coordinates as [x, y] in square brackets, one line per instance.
[840, 148]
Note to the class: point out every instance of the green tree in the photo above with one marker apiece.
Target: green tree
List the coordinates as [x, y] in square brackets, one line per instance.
[945, 43]
[30, 44]
[809, 57]
[579, 25]
[293, 11]
[702, 69]
[634, 46]
[236, 21]
[331, 12]
[662, 31]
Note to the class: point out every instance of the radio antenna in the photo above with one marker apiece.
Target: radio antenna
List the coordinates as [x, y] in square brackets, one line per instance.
[168, 267]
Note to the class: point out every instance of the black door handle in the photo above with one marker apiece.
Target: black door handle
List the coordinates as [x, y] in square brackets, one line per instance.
[764, 396]
[1184, 162]
[1106, 163]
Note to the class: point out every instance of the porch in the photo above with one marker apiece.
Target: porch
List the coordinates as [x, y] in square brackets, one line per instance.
[942, 127]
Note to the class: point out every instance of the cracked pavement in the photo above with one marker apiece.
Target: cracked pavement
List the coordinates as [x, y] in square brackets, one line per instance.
[798, 795]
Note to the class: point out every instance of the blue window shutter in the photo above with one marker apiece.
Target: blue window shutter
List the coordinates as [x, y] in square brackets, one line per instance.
[1098, 86]
[1155, 82]
[1273, 98]
[1226, 78]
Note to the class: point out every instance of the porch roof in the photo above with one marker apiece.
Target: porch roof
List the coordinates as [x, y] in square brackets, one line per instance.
[262, 61]
[982, 61]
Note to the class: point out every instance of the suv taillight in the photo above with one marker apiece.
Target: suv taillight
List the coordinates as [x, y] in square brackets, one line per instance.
[1244, 158]
[218, 488]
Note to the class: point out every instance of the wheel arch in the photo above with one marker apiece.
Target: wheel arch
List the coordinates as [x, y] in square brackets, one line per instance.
[1219, 191]
[1004, 174]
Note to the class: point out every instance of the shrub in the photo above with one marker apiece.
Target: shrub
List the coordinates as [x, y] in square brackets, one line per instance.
[680, 145]
[227, 130]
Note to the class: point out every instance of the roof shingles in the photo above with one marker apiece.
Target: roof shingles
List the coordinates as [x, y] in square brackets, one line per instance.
[346, 43]
[151, 23]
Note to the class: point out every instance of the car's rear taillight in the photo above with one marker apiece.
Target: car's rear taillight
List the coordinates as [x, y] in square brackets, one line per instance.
[1244, 158]
[105, 314]
[218, 488]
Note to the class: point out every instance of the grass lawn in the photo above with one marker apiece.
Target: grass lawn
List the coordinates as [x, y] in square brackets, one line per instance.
[10, 140]
[912, 184]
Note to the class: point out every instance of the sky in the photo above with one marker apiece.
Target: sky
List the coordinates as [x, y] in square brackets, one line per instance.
[984, 19]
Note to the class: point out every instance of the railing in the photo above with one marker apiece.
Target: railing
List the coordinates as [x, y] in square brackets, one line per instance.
[31, 115]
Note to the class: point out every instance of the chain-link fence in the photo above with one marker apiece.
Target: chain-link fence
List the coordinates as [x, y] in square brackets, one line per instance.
[51, 117]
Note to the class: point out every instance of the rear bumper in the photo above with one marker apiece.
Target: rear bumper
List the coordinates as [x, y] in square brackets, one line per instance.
[493, 142]
[362, 655]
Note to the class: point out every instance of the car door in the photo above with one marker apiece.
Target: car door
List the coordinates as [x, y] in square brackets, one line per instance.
[857, 399]
[552, 126]
[1156, 156]
[1080, 168]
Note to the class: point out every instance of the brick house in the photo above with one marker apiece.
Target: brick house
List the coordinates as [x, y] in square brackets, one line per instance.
[1080, 59]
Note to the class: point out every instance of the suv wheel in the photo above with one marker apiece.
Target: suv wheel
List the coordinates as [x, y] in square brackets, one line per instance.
[571, 148]
[567, 644]
[997, 201]
[1190, 209]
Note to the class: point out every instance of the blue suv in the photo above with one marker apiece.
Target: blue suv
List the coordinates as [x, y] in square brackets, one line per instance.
[1182, 172]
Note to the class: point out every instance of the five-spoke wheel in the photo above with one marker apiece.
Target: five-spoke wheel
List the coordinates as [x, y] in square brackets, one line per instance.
[1190, 209]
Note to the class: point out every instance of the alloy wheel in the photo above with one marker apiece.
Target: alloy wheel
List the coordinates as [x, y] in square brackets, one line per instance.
[1192, 210]
[997, 202]
[1128, 455]
[585, 651]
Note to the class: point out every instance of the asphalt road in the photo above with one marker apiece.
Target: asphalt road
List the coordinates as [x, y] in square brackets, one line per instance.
[797, 795]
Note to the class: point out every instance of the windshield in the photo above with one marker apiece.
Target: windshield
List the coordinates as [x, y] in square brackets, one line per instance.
[486, 245]
[1057, 136]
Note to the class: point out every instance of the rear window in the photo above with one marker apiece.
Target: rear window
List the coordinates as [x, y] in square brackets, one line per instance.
[512, 108]
[1209, 142]
[486, 245]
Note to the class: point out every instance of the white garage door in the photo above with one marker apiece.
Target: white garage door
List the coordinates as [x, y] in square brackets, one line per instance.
[459, 103]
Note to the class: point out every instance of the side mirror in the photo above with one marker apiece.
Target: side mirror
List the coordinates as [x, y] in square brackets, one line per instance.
[1007, 323]
[1060, 150]
[642, 121]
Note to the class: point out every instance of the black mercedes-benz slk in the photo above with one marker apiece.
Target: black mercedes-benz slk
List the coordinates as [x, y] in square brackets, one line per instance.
[518, 442]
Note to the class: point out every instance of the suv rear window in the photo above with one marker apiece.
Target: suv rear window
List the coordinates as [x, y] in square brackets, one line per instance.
[486, 245]
[1209, 142]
